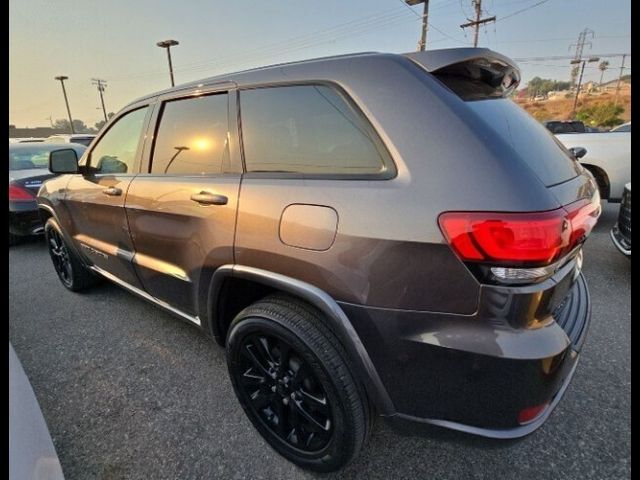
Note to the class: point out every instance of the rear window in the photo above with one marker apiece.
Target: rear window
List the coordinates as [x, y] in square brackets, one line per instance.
[536, 145]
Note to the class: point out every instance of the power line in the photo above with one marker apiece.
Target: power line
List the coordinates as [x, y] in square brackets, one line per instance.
[368, 22]
[518, 12]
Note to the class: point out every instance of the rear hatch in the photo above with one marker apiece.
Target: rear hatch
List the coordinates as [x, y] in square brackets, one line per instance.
[514, 247]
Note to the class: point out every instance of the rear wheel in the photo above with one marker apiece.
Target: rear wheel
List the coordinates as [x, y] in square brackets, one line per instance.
[291, 376]
[71, 272]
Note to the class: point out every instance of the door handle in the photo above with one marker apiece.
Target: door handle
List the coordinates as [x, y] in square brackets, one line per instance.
[113, 191]
[206, 198]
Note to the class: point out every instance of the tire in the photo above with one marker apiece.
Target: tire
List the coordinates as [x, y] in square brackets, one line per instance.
[69, 268]
[320, 383]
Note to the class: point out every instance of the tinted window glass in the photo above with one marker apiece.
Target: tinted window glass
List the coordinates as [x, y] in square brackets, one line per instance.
[116, 150]
[535, 144]
[307, 129]
[192, 137]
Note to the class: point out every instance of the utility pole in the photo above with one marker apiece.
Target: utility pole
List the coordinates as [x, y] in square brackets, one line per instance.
[102, 84]
[425, 21]
[615, 101]
[477, 4]
[62, 78]
[579, 45]
[168, 44]
[575, 100]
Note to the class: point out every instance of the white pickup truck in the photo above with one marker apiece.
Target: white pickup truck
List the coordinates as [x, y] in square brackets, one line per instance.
[608, 158]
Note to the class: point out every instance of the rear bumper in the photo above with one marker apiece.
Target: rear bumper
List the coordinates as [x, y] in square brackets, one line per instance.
[24, 219]
[620, 241]
[476, 373]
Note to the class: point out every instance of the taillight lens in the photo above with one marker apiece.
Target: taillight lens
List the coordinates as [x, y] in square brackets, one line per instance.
[518, 239]
[17, 192]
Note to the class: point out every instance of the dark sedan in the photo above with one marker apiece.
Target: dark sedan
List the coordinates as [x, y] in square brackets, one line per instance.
[28, 169]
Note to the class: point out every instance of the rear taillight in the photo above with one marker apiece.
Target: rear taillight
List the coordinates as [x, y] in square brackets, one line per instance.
[535, 239]
[18, 193]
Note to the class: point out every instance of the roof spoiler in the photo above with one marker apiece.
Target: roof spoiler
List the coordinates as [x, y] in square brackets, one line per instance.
[472, 73]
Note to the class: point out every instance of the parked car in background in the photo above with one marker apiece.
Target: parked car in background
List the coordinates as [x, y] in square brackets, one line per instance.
[621, 231]
[562, 126]
[26, 140]
[28, 168]
[80, 138]
[625, 127]
[407, 241]
[608, 158]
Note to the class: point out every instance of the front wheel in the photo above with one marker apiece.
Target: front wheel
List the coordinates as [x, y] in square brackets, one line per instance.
[292, 378]
[71, 272]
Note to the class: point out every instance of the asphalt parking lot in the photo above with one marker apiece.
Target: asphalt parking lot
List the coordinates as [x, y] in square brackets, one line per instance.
[129, 391]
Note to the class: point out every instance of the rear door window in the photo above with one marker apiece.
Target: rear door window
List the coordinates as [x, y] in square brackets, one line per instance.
[308, 129]
[192, 137]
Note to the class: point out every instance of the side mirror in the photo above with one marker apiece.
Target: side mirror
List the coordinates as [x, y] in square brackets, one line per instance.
[63, 161]
[578, 152]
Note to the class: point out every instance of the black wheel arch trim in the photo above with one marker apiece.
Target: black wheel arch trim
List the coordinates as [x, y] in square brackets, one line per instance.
[322, 301]
[70, 244]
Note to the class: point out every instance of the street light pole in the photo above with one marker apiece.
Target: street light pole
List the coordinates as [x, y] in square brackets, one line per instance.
[62, 78]
[168, 44]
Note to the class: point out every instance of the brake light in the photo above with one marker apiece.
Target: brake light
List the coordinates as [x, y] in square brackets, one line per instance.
[583, 216]
[17, 192]
[509, 238]
[519, 239]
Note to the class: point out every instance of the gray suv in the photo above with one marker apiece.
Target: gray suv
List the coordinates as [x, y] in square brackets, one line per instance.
[368, 235]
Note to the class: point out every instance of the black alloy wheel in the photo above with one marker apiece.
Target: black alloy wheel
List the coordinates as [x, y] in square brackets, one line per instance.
[295, 381]
[284, 392]
[60, 257]
[73, 274]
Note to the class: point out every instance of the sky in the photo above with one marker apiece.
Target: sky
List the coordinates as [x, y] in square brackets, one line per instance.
[115, 40]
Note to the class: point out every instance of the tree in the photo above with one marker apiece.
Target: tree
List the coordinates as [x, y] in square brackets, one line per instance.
[601, 115]
[542, 86]
[102, 123]
[603, 66]
[78, 125]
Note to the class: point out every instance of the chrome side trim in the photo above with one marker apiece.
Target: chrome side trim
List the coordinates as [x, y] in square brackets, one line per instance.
[102, 248]
[160, 266]
[145, 295]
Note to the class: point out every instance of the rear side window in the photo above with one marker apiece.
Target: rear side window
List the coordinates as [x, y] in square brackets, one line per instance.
[308, 129]
[192, 138]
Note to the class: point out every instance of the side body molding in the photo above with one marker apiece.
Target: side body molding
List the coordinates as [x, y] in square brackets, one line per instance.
[336, 317]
